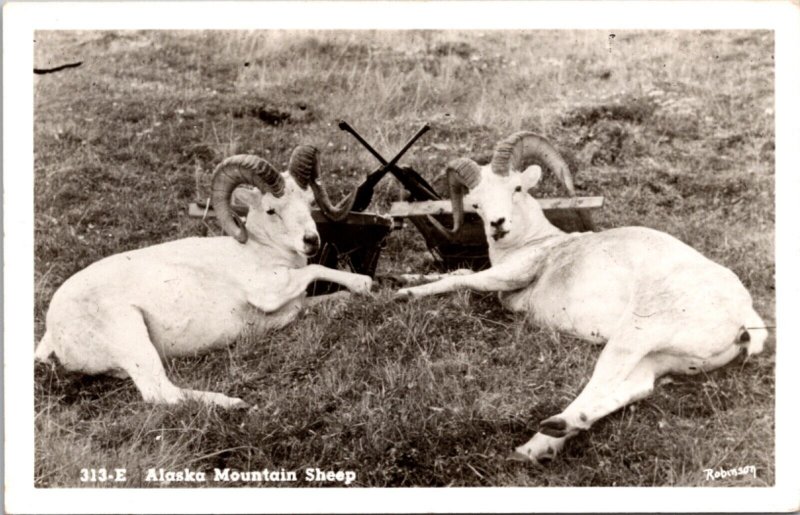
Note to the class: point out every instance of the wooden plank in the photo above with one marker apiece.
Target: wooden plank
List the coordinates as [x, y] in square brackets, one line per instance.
[439, 207]
[198, 210]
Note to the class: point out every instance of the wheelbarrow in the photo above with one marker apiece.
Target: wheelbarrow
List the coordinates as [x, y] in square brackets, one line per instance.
[468, 248]
[353, 243]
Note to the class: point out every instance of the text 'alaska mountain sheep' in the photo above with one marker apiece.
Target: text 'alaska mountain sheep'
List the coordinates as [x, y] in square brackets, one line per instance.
[660, 306]
[123, 314]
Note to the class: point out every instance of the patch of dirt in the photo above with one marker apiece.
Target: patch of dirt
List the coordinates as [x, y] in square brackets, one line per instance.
[201, 152]
[620, 128]
[767, 152]
[625, 108]
[272, 116]
[605, 143]
[272, 112]
[460, 48]
[724, 143]
[607, 132]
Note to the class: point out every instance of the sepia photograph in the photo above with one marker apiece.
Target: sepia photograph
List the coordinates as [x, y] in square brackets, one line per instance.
[380, 258]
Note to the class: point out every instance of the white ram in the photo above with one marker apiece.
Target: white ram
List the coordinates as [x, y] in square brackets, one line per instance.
[123, 314]
[659, 305]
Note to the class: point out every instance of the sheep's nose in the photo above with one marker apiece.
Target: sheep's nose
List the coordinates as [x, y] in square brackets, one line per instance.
[311, 242]
[498, 234]
[498, 229]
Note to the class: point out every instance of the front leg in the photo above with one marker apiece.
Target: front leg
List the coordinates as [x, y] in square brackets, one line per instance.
[504, 277]
[289, 285]
[357, 283]
[416, 279]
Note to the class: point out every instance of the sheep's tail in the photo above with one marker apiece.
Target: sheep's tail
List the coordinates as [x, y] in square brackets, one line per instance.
[45, 348]
[754, 333]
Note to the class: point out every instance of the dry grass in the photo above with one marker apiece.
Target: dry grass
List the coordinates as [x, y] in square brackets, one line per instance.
[674, 128]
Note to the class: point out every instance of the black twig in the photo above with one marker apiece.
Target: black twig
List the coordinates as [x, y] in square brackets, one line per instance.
[42, 71]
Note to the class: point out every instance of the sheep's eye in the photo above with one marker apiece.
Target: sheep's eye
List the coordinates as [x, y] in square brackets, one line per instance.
[270, 211]
[518, 188]
[474, 206]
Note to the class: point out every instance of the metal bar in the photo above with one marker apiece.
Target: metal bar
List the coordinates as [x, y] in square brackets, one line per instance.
[425, 128]
[417, 186]
[367, 188]
[347, 128]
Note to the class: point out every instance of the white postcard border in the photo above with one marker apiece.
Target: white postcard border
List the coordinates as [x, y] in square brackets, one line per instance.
[21, 19]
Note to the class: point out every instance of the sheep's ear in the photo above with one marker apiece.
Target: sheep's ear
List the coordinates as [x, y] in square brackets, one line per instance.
[250, 197]
[531, 176]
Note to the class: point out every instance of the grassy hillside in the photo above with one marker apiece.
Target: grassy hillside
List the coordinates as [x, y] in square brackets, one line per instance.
[675, 129]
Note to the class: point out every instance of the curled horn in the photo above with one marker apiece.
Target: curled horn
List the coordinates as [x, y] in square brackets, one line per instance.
[462, 175]
[304, 167]
[523, 149]
[235, 171]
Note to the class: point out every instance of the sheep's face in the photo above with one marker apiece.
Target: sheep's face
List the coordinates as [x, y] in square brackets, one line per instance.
[284, 220]
[498, 200]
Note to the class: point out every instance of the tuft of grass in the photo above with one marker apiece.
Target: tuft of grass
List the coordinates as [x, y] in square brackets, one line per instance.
[435, 392]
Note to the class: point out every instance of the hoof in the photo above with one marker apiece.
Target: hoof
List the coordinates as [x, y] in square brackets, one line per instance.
[240, 404]
[231, 403]
[526, 456]
[555, 427]
[403, 295]
[519, 456]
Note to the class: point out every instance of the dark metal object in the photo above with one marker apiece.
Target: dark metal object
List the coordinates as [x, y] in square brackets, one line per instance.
[367, 188]
[354, 244]
[417, 187]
